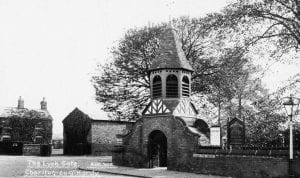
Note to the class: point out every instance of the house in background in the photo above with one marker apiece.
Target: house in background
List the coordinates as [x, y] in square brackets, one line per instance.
[88, 134]
[21, 129]
[26, 125]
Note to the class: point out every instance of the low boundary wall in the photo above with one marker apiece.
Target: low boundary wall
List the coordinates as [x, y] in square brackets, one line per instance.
[102, 149]
[240, 163]
[36, 150]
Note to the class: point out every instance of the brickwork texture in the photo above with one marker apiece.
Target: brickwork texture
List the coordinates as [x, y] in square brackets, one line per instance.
[104, 136]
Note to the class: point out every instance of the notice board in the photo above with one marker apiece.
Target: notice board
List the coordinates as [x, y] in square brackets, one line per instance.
[236, 132]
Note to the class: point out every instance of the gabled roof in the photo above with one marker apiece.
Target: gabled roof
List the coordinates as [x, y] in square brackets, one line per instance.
[24, 113]
[170, 54]
[236, 120]
[92, 116]
[76, 112]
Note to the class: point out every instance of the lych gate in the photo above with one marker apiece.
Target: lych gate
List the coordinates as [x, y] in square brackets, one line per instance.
[157, 149]
[168, 131]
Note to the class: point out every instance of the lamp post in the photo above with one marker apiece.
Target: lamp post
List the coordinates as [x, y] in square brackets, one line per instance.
[291, 105]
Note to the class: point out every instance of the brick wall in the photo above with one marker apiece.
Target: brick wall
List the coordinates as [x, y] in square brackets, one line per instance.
[180, 141]
[183, 150]
[238, 166]
[31, 149]
[104, 135]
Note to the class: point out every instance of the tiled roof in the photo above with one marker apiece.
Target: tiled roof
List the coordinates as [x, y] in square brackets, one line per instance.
[96, 116]
[24, 113]
[170, 54]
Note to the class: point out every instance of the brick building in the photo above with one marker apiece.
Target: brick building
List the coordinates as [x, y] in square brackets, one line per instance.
[20, 124]
[169, 130]
[88, 134]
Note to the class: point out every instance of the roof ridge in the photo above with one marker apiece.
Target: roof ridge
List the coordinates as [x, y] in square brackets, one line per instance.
[14, 111]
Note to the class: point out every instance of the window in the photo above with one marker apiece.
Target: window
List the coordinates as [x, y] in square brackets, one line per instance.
[6, 138]
[119, 141]
[156, 87]
[39, 125]
[172, 87]
[38, 139]
[185, 86]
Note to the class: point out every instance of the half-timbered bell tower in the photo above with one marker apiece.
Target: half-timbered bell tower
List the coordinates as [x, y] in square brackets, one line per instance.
[170, 77]
[169, 124]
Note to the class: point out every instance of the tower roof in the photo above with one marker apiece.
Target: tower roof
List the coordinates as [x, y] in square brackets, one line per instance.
[170, 54]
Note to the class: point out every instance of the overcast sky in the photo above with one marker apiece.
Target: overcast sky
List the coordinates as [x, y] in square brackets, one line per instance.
[49, 48]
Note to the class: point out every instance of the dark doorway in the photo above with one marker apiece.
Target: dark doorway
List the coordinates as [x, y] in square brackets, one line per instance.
[157, 149]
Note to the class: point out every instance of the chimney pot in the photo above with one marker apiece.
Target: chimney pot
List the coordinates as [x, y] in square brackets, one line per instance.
[44, 104]
[20, 103]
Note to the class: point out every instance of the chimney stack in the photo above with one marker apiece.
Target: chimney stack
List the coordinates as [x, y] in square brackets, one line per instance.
[20, 103]
[43, 104]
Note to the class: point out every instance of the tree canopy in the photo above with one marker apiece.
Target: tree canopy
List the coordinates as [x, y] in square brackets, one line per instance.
[221, 48]
[123, 86]
[278, 20]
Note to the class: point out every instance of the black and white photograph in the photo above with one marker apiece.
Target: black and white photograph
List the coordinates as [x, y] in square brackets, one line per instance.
[150, 88]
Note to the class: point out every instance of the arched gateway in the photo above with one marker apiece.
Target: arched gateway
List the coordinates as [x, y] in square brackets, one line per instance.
[157, 149]
[169, 130]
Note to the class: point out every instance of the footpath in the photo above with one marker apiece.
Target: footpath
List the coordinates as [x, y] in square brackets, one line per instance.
[109, 168]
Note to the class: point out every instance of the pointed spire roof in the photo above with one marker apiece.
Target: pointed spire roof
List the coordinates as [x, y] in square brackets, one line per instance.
[170, 54]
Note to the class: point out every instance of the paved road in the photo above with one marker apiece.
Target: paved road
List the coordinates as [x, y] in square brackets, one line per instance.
[54, 166]
[59, 165]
